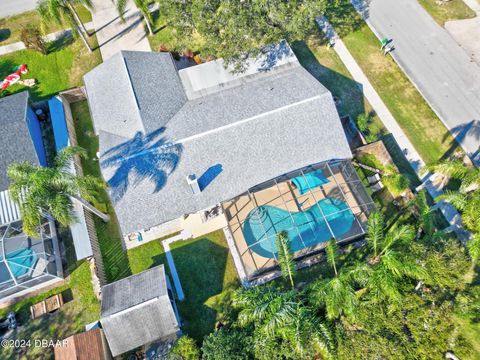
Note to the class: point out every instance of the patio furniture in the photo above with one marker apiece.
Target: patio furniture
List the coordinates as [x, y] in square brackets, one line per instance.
[46, 306]
[377, 187]
[373, 179]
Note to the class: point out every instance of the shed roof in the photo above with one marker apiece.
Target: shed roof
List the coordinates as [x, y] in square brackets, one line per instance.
[245, 129]
[88, 345]
[17, 144]
[137, 310]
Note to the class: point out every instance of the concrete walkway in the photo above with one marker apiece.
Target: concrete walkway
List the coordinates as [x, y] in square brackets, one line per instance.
[113, 34]
[429, 181]
[171, 264]
[441, 70]
[7, 49]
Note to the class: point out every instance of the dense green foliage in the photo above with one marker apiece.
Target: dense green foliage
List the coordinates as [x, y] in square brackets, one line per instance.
[394, 297]
[285, 257]
[185, 349]
[234, 30]
[233, 344]
[49, 190]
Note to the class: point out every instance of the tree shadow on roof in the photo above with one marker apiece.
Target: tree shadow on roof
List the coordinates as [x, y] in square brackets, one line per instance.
[144, 157]
[272, 54]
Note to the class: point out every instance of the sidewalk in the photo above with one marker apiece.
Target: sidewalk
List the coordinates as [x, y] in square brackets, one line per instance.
[113, 34]
[429, 181]
[474, 5]
[7, 49]
[437, 66]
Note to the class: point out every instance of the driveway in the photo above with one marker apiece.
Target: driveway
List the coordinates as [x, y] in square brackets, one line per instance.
[443, 72]
[13, 7]
[113, 34]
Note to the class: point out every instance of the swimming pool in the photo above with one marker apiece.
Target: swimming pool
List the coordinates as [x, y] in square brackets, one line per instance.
[263, 223]
[21, 261]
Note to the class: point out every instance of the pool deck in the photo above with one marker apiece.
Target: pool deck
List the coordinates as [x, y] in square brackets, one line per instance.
[285, 196]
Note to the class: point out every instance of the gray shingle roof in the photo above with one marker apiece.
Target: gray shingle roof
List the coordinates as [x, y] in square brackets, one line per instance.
[16, 142]
[260, 127]
[134, 91]
[137, 310]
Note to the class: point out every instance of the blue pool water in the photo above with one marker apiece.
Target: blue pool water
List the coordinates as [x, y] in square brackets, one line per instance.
[265, 222]
[309, 181]
[20, 261]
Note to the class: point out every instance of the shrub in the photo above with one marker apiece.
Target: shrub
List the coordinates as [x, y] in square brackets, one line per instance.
[227, 345]
[32, 39]
[362, 122]
[396, 184]
[185, 349]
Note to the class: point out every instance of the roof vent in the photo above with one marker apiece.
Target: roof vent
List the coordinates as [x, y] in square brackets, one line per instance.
[193, 183]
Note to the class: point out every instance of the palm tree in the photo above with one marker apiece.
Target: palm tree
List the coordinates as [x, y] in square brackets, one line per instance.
[280, 318]
[61, 12]
[336, 294]
[468, 175]
[387, 262]
[142, 5]
[466, 199]
[285, 257]
[49, 190]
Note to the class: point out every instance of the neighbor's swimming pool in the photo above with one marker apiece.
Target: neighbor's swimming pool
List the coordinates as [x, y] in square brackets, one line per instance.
[21, 261]
[264, 222]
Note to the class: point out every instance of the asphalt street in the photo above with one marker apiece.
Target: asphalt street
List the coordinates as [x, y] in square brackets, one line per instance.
[13, 7]
[443, 72]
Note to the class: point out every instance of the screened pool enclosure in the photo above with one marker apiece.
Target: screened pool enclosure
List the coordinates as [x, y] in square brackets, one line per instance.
[313, 205]
[27, 263]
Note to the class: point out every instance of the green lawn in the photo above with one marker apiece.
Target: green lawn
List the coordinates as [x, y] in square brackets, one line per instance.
[207, 274]
[325, 65]
[451, 10]
[11, 27]
[114, 258]
[166, 36]
[81, 307]
[61, 69]
[424, 129]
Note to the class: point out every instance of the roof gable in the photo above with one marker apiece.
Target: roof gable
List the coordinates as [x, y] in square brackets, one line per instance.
[137, 310]
[131, 291]
[17, 144]
[134, 92]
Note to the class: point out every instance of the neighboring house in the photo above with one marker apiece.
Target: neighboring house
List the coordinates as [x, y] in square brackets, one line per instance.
[89, 345]
[138, 310]
[26, 264]
[202, 148]
[83, 230]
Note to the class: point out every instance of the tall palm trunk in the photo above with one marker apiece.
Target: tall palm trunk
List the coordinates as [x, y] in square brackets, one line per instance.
[92, 208]
[84, 39]
[149, 26]
[79, 21]
[82, 36]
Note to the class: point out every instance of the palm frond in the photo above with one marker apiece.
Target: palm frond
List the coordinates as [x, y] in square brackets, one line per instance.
[473, 246]
[376, 227]
[285, 257]
[332, 252]
[457, 199]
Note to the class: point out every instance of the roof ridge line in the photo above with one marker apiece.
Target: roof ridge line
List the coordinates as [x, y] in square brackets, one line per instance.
[243, 121]
[137, 107]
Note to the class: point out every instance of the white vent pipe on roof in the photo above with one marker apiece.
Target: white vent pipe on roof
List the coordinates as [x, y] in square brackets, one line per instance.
[193, 183]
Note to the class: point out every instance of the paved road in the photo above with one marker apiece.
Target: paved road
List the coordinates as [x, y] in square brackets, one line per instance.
[113, 34]
[13, 7]
[429, 181]
[439, 67]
